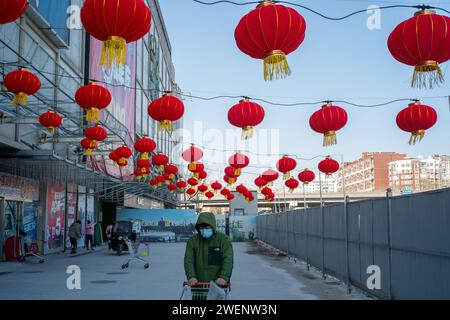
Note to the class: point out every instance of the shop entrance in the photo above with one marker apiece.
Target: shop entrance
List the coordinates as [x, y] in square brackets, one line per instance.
[11, 220]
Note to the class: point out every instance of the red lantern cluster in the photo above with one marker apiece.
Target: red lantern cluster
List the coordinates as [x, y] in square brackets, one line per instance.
[238, 161]
[285, 165]
[160, 160]
[327, 121]
[416, 119]
[144, 167]
[145, 146]
[268, 194]
[306, 176]
[229, 180]
[422, 42]
[95, 134]
[87, 145]
[246, 115]
[328, 166]
[22, 83]
[271, 32]
[181, 185]
[11, 10]
[192, 155]
[112, 155]
[171, 170]
[116, 23]
[166, 110]
[93, 98]
[51, 121]
[123, 153]
[172, 187]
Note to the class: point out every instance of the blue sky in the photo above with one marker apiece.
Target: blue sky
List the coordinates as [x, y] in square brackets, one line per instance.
[338, 60]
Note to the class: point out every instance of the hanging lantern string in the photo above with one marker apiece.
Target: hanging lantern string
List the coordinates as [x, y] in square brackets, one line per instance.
[235, 97]
[420, 7]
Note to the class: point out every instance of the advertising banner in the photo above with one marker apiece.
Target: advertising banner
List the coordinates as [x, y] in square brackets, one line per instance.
[71, 209]
[121, 83]
[30, 213]
[56, 204]
[81, 212]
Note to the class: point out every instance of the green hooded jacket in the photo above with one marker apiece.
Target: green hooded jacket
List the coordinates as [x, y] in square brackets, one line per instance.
[208, 259]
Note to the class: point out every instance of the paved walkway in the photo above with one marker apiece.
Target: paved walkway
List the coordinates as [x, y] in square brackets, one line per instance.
[258, 274]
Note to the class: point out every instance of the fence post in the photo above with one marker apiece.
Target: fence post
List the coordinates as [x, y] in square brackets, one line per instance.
[322, 214]
[307, 227]
[389, 236]
[287, 232]
[349, 286]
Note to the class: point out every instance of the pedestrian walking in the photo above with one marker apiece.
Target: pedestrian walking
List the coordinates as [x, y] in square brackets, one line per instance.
[109, 230]
[74, 235]
[89, 235]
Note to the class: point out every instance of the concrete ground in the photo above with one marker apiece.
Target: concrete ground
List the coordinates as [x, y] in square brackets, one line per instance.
[259, 274]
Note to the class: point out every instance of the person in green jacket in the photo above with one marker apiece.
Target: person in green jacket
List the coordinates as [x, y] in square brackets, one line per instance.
[209, 254]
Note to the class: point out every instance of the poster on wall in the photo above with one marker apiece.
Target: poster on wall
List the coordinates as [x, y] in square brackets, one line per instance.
[155, 225]
[119, 81]
[71, 209]
[242, 228]
[29, 226]
[81, 212]
[90, 206]
[56, 203]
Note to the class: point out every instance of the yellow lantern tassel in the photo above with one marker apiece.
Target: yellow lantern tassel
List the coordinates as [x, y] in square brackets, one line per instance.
[20, 99]
[167, 182]
[196, 175]
[88, 152]
[237, 172]
[286, 175]
[192, 166]
[159, 184]
[114, 50]
[122, 162]
[247, 133]
[329, 138]
[165, 125]
[144, 156]
[427, 75]
[416, 136]
[93, 144]
[93, 115]
[52, 130]
[160, 168]
[276, 66]
[171, 176]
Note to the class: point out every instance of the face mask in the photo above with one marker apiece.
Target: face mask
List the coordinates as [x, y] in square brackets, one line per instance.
[206, 233]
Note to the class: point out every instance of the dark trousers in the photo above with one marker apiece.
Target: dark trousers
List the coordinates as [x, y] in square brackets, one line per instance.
[89, 239]
[73, 244]
[109, 244]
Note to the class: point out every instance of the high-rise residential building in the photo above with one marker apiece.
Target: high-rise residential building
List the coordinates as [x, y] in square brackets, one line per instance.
[419, 174]
[370, 173]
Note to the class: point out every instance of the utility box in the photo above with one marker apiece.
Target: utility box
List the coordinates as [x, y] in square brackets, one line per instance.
[240, 207]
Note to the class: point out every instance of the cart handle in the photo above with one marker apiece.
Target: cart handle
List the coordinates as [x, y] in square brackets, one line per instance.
[186, 283]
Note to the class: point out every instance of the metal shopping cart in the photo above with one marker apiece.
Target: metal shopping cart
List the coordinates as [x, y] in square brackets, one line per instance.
[202, 291]
[137, 250]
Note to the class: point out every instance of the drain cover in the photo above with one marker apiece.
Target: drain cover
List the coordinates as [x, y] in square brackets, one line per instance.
[103, 281]
[114, 273]
[4, 273]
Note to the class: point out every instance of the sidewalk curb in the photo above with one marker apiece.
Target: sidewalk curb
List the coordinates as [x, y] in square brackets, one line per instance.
[99, 249]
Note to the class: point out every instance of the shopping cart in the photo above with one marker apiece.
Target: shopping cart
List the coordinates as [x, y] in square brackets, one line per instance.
[200, 291]
[137, 250]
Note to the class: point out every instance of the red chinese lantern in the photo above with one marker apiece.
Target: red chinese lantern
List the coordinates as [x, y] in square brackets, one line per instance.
[196, 168]
[209, 195]
[145, 171]
[201, 175]
[95, 134]
[230, 196]
[238, 161]
[225, 192]
[11, 10]
[123, 153]
[270, 33]
[116, 23]
[216, 186]
[241, 189]
[202, 188]
[191, 191]
[138, 174]
[145, 145]
[93, 98]
[422, 42]
[306, 176]
[260, 182]
[22, 83]
[167, 178]
[112, 155]
[160, 160]
[166, 110]
[154, 183]
[143, 164]
[160, 180]
[327, 121]
[285, 165]
[229, 180]
[51, 120]
[246, 115]
[416, 118]
[172, 187]
[192, 182]
[181, 185]
[192, 155]
[292, 184]
[266, 191]
[270, 176]
[232, 172]
[171, 170]
[328, 166]
[86, 144]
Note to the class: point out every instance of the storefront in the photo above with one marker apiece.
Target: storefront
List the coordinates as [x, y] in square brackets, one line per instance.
[19, 214]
